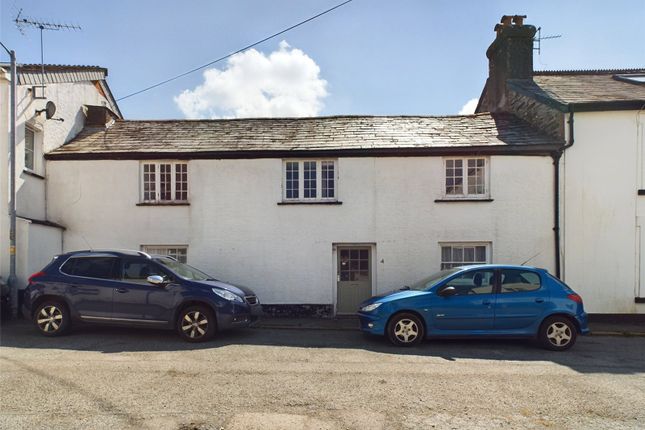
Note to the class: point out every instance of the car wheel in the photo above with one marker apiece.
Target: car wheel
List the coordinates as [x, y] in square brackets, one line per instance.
[405, 329]
[196, 324]
[557, 333]
[52, 318]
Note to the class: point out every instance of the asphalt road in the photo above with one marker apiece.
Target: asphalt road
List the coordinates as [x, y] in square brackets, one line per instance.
[103, 378]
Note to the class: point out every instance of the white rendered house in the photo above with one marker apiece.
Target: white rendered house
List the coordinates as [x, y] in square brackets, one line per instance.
[317, 214]
[70, 88]
[599, 115]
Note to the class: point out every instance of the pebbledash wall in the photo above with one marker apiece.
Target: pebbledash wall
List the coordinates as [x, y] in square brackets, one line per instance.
[236, 230]
[604, 215]
[36, 242]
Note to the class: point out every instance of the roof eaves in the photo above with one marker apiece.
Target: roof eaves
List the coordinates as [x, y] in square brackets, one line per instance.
[532, 149]
[106, 89]
[613, 105]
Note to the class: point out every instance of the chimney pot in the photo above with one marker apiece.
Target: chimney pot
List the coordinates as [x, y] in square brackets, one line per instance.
[519, 20]
[510, 57]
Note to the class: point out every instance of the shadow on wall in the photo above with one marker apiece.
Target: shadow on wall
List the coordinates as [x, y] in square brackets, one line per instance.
[613, 355]
[79, 122]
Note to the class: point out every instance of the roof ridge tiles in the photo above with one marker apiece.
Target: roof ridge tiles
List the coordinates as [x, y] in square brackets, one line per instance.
[589, 71]
[304, 118]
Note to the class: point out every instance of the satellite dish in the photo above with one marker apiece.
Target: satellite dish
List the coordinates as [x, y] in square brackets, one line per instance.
[50, 110]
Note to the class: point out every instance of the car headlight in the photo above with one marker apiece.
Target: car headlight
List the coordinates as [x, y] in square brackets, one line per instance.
[227, 295]
[370, 308]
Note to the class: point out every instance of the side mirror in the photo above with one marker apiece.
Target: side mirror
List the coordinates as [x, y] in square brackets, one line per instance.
[156, 280]
[448, 291]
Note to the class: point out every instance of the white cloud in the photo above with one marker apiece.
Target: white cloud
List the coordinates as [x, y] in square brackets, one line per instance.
[287, 82]
[469, 107]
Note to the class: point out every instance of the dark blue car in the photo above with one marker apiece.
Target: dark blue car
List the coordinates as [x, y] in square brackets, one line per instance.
[481, 300]
[132, 288]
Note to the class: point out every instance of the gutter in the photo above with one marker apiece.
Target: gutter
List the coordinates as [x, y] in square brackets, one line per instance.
[556, 194]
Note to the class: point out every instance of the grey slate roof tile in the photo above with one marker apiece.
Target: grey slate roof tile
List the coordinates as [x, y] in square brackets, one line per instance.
[571, 87]
[305, 134]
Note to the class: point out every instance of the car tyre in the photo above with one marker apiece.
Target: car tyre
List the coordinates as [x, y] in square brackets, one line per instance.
[196, 324]
[557, 333]
[405, 329]
[52, 318]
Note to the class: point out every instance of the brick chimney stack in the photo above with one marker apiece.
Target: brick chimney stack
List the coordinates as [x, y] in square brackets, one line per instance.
[510, 56]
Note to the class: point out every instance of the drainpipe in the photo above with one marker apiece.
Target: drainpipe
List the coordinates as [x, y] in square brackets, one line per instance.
[12, 281]
[556, 194]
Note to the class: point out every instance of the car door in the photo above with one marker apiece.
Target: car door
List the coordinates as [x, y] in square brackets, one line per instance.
[522, 299]
[137, 300]
[472, 307]
[89, 283]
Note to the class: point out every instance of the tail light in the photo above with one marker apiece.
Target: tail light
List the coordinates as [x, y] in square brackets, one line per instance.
[35, 276]
[576, 298]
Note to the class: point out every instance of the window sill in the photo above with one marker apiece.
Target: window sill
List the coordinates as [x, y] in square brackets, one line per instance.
[641, 192]
[286, 203]
[449, 200]
[164, 204]
[32, 173]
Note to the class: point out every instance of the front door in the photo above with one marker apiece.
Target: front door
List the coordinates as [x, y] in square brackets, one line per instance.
[354, 278]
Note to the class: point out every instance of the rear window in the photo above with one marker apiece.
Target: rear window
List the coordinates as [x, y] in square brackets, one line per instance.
[519, 281]
[90, 267]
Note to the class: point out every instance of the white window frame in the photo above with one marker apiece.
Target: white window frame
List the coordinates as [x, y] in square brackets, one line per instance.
[170, 250]
[37, 150]
[301, 180]
[173, 181]
[465, 179]
[487, 245]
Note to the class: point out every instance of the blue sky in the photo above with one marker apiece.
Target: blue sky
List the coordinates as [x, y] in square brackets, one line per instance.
[376, 57]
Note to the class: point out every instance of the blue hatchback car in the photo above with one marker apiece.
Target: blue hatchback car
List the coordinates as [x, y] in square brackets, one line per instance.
[480, 300]
[132, 288]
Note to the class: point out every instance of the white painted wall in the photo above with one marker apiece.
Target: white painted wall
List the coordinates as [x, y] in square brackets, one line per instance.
[236, 230]
[31, 191]
[36, 246]
[602, 172]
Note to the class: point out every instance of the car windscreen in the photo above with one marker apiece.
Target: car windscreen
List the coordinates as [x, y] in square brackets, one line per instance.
[432, 280]
[184, 270]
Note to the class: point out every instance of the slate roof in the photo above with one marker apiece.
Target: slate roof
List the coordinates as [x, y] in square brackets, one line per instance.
[264, 137]
[583, 87]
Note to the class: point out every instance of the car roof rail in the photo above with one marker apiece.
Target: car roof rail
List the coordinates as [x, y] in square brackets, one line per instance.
[114, 251]
[163, 256]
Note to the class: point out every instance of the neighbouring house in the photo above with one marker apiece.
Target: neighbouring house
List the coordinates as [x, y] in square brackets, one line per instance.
[38, 238]
[317, 214]
[599, 115]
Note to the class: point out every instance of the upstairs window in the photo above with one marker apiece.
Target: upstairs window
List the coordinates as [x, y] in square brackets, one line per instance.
[164, 182]
[309, 180]
[33, 149]
[30, 156]
[466, 178]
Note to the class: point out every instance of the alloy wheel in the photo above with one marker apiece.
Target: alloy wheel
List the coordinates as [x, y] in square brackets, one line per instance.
[559, 334]
[194, 324]
[406, 330]
[50, 318]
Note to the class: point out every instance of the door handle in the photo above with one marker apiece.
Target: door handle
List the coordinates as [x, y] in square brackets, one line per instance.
[539, 300]
[121, 290]
[486, 302]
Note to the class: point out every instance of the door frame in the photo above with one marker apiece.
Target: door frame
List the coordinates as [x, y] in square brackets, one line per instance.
[334, 264]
